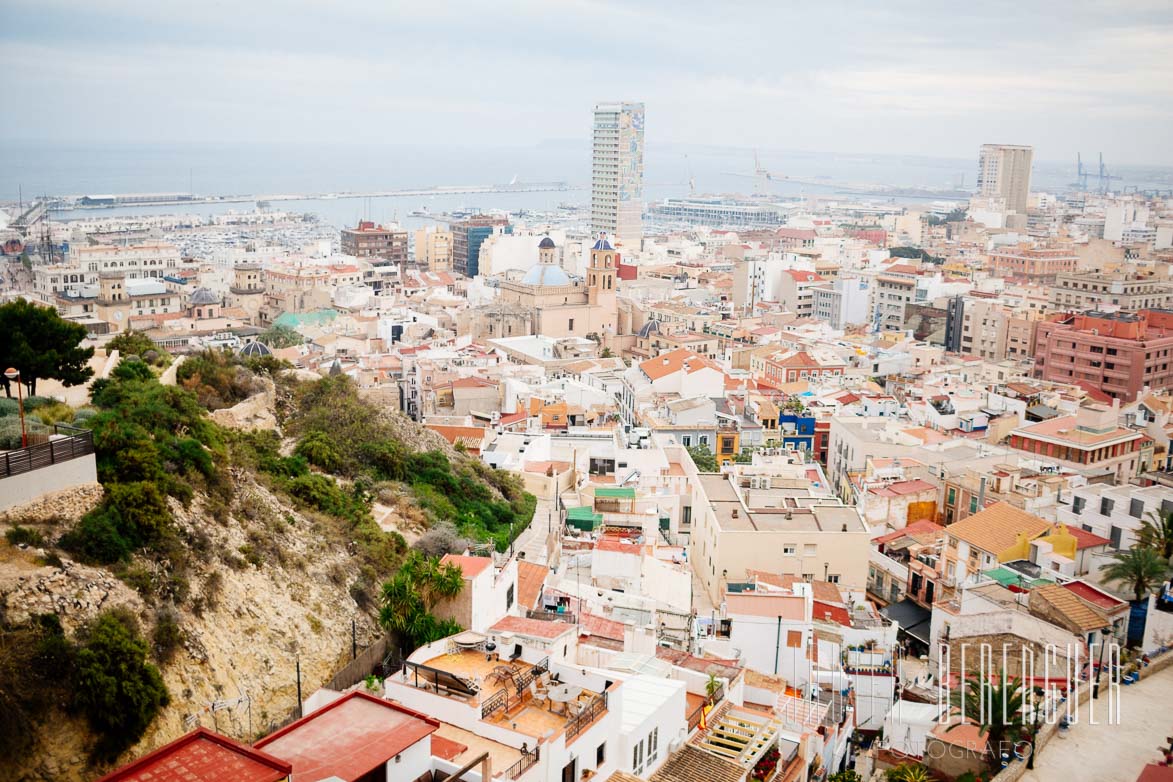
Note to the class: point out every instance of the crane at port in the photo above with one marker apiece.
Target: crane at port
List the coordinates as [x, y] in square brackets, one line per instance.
[1102, 175]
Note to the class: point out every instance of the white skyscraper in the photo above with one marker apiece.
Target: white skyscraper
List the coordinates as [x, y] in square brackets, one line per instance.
[1004, 172]
[617, 172]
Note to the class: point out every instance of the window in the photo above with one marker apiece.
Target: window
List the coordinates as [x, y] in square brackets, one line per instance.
[810, 550]
[509, 597]
[1106, 505]
[687, 440]
[1136, 508]
[952, 496]
[1077, 505]
[973, 504]
[789, 549]
[637, 757]
[1115, 535]
[653, 744]
[601, 754]
[833, 578]
[571, 326]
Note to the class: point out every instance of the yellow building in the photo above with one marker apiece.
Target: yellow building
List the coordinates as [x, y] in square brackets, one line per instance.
[433, 249]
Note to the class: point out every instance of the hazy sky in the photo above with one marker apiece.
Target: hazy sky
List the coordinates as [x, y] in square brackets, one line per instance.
[934, 78]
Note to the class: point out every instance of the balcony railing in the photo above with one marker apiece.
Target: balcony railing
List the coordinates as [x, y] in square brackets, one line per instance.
[694, 719]
[527, 761]
[580, 721]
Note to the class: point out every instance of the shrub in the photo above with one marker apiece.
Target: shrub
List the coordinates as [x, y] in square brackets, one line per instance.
[440, 540]
[80, 417]
[9, 407]
[96, 539]
[319, 450]
[23, 536]
[117, 690]
[167, 636]
[36, 402]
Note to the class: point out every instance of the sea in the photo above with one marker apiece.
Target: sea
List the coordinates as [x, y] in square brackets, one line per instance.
[34, 168]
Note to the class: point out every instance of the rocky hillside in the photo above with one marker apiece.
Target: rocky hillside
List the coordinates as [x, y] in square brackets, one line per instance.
[242, 632]
[245, 519]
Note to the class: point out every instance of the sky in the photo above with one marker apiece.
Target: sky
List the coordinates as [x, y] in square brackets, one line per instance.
[926, 78]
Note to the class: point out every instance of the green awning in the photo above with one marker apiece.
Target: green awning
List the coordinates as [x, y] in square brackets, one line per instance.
[620, 492]
[1003, 576]
[584, 518]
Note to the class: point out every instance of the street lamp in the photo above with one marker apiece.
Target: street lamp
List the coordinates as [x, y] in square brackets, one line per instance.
[1104, 631]
[13, 375]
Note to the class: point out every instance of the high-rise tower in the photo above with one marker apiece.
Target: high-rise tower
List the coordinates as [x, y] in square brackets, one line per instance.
[617, 172]
[1004, 172]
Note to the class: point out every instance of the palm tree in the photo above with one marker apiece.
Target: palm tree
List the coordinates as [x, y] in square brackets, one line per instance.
[908, 772]
[1156, 532]
[1139, 568]
[996, 708]
[410, 597]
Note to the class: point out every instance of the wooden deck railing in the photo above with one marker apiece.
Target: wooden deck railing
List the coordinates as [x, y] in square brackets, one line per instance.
[79, 442]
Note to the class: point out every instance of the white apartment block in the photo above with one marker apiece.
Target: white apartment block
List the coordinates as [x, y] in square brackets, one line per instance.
[1004, 173]
[1115, 512]
[617, 172]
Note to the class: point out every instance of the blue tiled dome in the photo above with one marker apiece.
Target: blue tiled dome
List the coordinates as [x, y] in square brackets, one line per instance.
[546, 274]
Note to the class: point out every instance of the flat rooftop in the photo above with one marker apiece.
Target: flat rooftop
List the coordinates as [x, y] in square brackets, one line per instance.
[795, 510]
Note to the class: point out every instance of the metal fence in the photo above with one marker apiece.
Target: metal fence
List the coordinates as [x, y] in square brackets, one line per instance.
[78, 442]
[527, 761]
[584, 718]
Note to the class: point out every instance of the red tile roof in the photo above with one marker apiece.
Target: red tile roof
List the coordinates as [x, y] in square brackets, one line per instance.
[530, 579]
[446, 748]
[349, 737]
[1096, 597]
[1085, 539]
[203, 756]
[916, 528]
[470, 566]
[601, 627]
[838, 614]
[536, 628]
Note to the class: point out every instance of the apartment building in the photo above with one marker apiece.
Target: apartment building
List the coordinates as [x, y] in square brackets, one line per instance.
[784, 523]
[891, 291]
[1090, 442]
[467, 237]
[796, 291]
[1026, 262]
[1004, 173]
[1118, 353]
[617, 172]
[990, 328]
[1098, 291]
[433, 249]
[383, 246]
[843, 302]
[1115, 512]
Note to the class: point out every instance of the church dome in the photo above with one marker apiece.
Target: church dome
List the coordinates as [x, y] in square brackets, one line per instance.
[546, 274]
[649, 328]
[546, 244]
[603, 243]
[203, 296]
[255, 349]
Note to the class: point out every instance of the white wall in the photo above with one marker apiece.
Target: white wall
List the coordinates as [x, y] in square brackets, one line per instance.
[31, 485]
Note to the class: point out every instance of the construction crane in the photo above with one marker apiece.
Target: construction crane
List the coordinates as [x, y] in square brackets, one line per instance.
[1103, 176]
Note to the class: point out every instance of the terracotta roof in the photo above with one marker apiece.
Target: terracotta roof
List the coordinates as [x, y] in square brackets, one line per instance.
[348, 738]
[473, 382]
[1080, 613]
[706, 665]
[901, 488]
[203, 756]
[622, 776]
[1064, 428]
[471, 567]
[535, 628]
[1085, 539]
[916, 530]
[674, 361]
[446, 748]
[608, 544]
[801, 276]
[996, 528]
[600, 626]
[530, 579]
[690, 764]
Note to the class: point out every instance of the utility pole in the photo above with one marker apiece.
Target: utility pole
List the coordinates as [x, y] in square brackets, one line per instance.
[300, 711]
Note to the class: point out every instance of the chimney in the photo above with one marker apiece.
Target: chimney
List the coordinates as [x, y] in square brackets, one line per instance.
[982, 494]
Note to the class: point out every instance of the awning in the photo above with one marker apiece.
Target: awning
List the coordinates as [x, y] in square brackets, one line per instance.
[913, 619]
